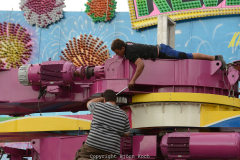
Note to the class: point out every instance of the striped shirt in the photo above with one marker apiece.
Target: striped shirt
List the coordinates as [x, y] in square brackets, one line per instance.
[108, 125]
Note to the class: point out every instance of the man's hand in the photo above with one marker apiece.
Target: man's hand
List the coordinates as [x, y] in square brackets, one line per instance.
[126, 134]
[100, 99]
[131, 84]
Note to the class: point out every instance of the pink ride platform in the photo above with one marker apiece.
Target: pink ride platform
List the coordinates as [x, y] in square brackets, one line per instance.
[67, 92]
[60, 86]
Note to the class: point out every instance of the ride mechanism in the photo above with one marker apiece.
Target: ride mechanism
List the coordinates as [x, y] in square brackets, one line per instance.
[174, 107]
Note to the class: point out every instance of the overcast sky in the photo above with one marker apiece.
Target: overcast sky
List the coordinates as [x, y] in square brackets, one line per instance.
[71, 5]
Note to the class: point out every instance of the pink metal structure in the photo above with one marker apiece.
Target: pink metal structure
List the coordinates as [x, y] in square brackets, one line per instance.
[60, 86]
[184, 145]
[201, 145]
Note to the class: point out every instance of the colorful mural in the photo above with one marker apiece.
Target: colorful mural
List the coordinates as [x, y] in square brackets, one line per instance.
[143, 13]
[205, 35]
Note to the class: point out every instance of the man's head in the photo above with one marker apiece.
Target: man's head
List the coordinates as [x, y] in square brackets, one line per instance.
[110, 96]
[118, 46]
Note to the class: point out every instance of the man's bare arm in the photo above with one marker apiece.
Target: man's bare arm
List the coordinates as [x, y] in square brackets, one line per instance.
[100, 99]
[126, 134]
[140, 66]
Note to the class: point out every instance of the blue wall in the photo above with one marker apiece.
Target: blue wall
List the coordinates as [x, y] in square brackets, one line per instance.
[204, 35]
[209, 36]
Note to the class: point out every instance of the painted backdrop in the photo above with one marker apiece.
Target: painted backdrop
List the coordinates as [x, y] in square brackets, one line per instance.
[213, 35]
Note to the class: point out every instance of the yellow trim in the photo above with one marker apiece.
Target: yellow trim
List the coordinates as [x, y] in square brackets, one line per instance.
[177, 15]
[53, 123]
[221, 113]
[186, 97]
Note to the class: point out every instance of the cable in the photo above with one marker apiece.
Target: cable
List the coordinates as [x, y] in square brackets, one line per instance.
[39, 108]
[231, 86]
[41, 93]
[225, 83]
[37, 157]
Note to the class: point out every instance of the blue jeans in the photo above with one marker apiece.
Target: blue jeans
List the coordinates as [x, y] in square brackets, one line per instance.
[166, 52]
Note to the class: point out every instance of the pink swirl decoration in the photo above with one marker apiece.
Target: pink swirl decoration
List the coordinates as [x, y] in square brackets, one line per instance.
[42, 12]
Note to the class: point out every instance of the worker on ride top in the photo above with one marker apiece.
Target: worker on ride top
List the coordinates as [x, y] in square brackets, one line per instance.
[109, 123]
[135, 51]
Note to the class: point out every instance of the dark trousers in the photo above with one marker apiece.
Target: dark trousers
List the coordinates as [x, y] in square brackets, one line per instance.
[86, 152]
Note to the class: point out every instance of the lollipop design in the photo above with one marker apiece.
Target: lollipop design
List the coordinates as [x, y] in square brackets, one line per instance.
[101, 10]
[85, 51]
[42, 12]
[15, 49]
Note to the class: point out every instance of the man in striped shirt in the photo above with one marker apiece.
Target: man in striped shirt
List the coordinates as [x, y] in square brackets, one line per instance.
[109, 123]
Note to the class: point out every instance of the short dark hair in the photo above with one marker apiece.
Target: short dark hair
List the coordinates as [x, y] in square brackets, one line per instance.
[110, 95]
[117, 44]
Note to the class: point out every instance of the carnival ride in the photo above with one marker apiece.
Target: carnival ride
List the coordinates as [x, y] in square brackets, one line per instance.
[178, 109]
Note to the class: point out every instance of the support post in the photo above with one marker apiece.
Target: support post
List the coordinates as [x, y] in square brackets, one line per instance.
[166, 31]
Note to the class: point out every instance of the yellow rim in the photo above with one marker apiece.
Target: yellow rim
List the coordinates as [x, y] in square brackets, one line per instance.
[186, 97]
